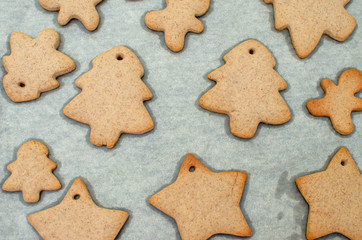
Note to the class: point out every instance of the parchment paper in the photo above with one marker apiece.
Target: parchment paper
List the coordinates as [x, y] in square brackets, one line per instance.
[139, 166]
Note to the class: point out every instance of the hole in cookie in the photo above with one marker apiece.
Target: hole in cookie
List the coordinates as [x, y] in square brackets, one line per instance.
[251, 51]
[76, 197]
[119, 57]
[192, 169]
[21, 84]
[343, 163]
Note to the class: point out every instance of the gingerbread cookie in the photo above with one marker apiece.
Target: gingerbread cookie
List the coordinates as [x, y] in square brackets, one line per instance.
[78, 217]
[83, 10]
[33, 65]
[177, 19]
[334, 197]
[32, 172]
[308, 20]
[247, 90]
[111, 101]
[204, 203]
[339, 101]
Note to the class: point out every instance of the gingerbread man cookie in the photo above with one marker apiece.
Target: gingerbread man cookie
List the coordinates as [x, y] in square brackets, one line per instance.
[111, 101]
[308, 20]
[247, 90]
[33, 65]
[339, 101]
[177, 19]
[83, 10]
[32, 172]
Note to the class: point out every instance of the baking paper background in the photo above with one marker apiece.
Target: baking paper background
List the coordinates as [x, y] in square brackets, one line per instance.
[139, 166]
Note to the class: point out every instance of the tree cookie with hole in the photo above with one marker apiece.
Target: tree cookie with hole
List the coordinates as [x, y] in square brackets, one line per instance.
[83, 10]
[78, 217]
[339, 101]
[111, 101]
[177, 19]
[247, 90]
[308, 20]
[334, 197]
[32, 172]
[204, 203]
[34, 65]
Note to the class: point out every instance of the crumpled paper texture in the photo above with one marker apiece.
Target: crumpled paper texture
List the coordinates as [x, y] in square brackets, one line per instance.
[139, 166]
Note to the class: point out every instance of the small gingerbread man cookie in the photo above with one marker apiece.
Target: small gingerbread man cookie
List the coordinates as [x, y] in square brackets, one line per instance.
[83, 10]
[177, 19]
[339, 101]
[33, 65]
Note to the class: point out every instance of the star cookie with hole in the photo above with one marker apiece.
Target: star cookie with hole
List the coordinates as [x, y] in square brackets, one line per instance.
[34, 65]
[78, 217]
[32, 172]
[334, 197]
[339, 101]
[111, 101]
[204, 203]
[247, 90]
[83, 10]
[308, 20]
[177, 19]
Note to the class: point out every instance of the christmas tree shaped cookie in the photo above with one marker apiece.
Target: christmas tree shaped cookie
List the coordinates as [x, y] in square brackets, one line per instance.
[83, 10]
[78, 217]
[31, 173]
[111, 101]
[308, 20]
[204, 203]
[177, 19]
[339, 101]
[33, 65]
[334, 197]
[247, 90]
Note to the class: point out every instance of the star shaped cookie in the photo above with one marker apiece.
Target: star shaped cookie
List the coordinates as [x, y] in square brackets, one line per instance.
[335, 198]
[78, 217]
[33, 65]
[308, 20]
[83, 10]
[204, 203]
[339, 101]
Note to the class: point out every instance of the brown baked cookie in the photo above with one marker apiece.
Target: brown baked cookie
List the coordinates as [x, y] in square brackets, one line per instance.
[83, 10]
[247, 90]
[32, 172]
[308, 20]
[339, 101]
[335, 198]
[177, 19]
[78, 217]
[204, 203]
[33, 65]
[111, 101]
